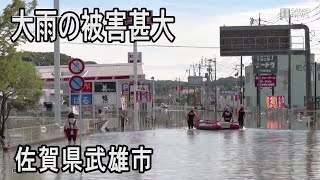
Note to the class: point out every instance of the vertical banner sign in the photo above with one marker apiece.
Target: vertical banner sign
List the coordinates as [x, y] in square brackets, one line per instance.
[148, 96]
[273, 102]
[281, 101]
[139, 97]
[123, 103]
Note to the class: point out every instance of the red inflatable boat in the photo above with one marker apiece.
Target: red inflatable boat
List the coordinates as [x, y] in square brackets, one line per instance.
[215, 125]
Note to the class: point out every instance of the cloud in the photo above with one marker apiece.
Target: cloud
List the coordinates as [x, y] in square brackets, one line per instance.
[171, 62]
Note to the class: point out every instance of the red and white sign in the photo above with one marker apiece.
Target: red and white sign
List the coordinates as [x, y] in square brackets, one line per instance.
[281, 101]
[131, 57]
[148, 96]
[76, 66]
[236, 98]
[87, 88]
[266, 81]
[139, 97]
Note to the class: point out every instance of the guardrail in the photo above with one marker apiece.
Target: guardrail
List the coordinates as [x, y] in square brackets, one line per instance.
[295, 119]
[34, 134]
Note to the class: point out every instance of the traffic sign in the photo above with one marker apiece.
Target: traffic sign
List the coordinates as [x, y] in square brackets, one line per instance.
[76, 83]
[76, 66]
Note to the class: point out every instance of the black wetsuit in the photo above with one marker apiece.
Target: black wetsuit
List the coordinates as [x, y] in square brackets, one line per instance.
[227, 116]
[241, 114]
[191, 115]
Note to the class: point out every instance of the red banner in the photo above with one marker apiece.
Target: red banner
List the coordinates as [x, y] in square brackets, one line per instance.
[139, 96]
[236, 98]
[86, 89]
[148, 96]
[281, 101]
[179, 88]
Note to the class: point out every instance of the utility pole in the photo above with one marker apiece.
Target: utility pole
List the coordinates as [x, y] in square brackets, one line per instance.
[258, 88]
[209, 79]
[215, 85]
[289, 64]
[215, 90]
[57, 87]
[315, 85]
[135, 106]
[188, 88]
[241, 82]
[179, 92]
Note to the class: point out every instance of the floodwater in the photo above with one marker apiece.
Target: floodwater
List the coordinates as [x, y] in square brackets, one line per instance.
[196, 154]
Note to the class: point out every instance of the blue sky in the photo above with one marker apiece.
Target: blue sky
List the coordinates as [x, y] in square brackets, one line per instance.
[197, 24]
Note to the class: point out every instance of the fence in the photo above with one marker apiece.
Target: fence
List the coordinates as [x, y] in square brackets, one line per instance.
[295, 119]
[43, 128]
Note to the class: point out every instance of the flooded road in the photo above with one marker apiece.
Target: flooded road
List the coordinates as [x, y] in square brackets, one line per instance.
[196, 154]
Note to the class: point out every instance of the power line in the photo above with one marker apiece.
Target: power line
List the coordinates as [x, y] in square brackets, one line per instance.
[309, 13]
[150, 45]
[154, 45]
[312, 21]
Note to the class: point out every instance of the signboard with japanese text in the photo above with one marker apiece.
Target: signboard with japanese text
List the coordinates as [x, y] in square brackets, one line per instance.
[229, 92]
[86, 89]
[254, 40]
[131, 57]
[281, 101]
[195, 81]
[274, 102]
[265, 64]
[105, 98]
[266, 81]
[86, 99]
[139, 97]
[105, 87]
[148, 96]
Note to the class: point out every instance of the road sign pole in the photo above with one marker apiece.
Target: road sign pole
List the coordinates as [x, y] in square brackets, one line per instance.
[77, 83]
[80, 116]
[57, 95]
[136, 120]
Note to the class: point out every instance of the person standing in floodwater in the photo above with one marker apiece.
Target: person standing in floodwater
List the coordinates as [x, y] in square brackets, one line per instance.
[190, 116]
[71, 128]
[241, 115]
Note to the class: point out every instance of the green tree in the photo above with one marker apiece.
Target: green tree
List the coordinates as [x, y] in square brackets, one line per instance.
[7, 29]
[20, 84]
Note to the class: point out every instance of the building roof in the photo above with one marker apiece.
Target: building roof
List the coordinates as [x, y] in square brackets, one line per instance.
[93, 70]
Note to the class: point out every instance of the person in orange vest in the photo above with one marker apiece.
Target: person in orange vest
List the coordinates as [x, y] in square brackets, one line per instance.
[71, 128]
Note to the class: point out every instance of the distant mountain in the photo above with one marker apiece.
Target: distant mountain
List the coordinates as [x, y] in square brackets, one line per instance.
[164, 87]
[47, 58]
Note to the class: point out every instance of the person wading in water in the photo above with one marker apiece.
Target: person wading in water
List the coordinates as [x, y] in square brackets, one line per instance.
[241, 115]
[71, 128]
[190, 116]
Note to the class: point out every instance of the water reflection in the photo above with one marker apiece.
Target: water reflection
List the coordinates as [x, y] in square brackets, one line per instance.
[311, 153]
[195, 154]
